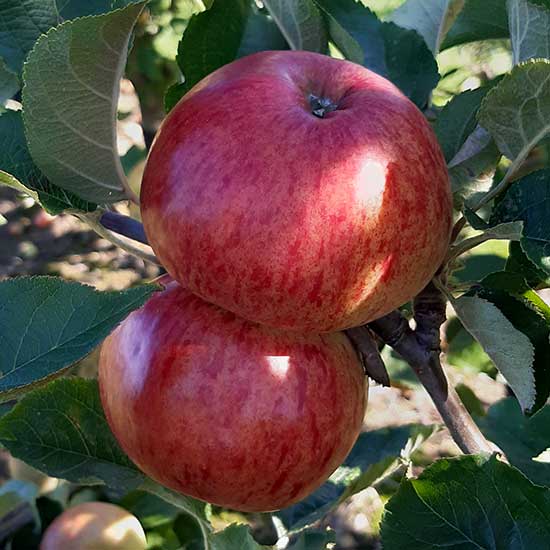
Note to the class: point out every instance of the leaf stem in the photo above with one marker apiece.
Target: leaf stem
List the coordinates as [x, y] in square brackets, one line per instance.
[465, 245]
[93, 220]
[123, 225]
[421, 349]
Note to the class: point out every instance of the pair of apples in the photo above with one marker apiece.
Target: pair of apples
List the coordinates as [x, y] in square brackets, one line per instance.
[292, 196]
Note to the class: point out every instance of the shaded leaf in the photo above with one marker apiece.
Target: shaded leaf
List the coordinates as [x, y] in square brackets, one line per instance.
[374, 455]
[518, 263]
[70, 9]
[236, 28]
[70, 104]
[47, 324]
[468, 502]
[21, 23]
[261, 33]
[457, 121]
[528, 200]
[391, 51]
[478, 20]
[223, 25]
[529, 29]
[300, 22]
[520, 437]
[516, 112]
[16, 161]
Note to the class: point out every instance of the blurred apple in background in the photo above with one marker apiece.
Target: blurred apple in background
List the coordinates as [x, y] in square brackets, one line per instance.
[94, 526]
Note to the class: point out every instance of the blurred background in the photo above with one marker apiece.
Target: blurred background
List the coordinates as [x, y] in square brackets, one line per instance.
[32, 242]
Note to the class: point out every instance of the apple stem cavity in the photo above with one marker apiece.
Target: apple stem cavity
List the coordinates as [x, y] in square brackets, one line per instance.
[421, 349]
[321, 106]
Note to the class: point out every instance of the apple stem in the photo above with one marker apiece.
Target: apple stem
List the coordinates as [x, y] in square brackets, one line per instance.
[321, 106]
[421, 348]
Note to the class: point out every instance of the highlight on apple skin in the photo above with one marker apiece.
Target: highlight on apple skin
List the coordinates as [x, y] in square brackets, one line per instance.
[94, 526]
[227, 411]
[298, 191]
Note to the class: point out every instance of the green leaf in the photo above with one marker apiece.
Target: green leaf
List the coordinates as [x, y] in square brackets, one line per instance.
[530, 315]
[21, 23]
[510, 349]
[356, 32]
[478, 20]
[60, 429]
[233, 537]
[521, 438]
[529, 29]
[431, 19]
[516, 112]
[47, 324]
[500, 230]
[468, 502]
[411, 65]
[528, 200]
[236, 28]
[518, 263]
[223, 25]
[9, 83]
[16, 161]
[69, 103]
[188, 532]
[195, 508]
[149, 509]
[375, 455]
[391, 51]
[458, 120]
[261, 33]
[300, 22]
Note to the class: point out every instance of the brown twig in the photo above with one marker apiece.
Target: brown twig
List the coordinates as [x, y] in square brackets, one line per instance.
[421, 349]
[363, 341]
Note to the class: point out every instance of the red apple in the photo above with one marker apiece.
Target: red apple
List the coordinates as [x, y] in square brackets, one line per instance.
[225, 410]
[94, 526]
[298, 191]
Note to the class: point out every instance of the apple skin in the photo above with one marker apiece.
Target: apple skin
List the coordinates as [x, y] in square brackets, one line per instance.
[94, 526]
[288, 219]
[228, 411]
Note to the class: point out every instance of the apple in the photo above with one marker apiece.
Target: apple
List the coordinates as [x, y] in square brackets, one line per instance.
[298, 191]
[228, 411]
[94, 526]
